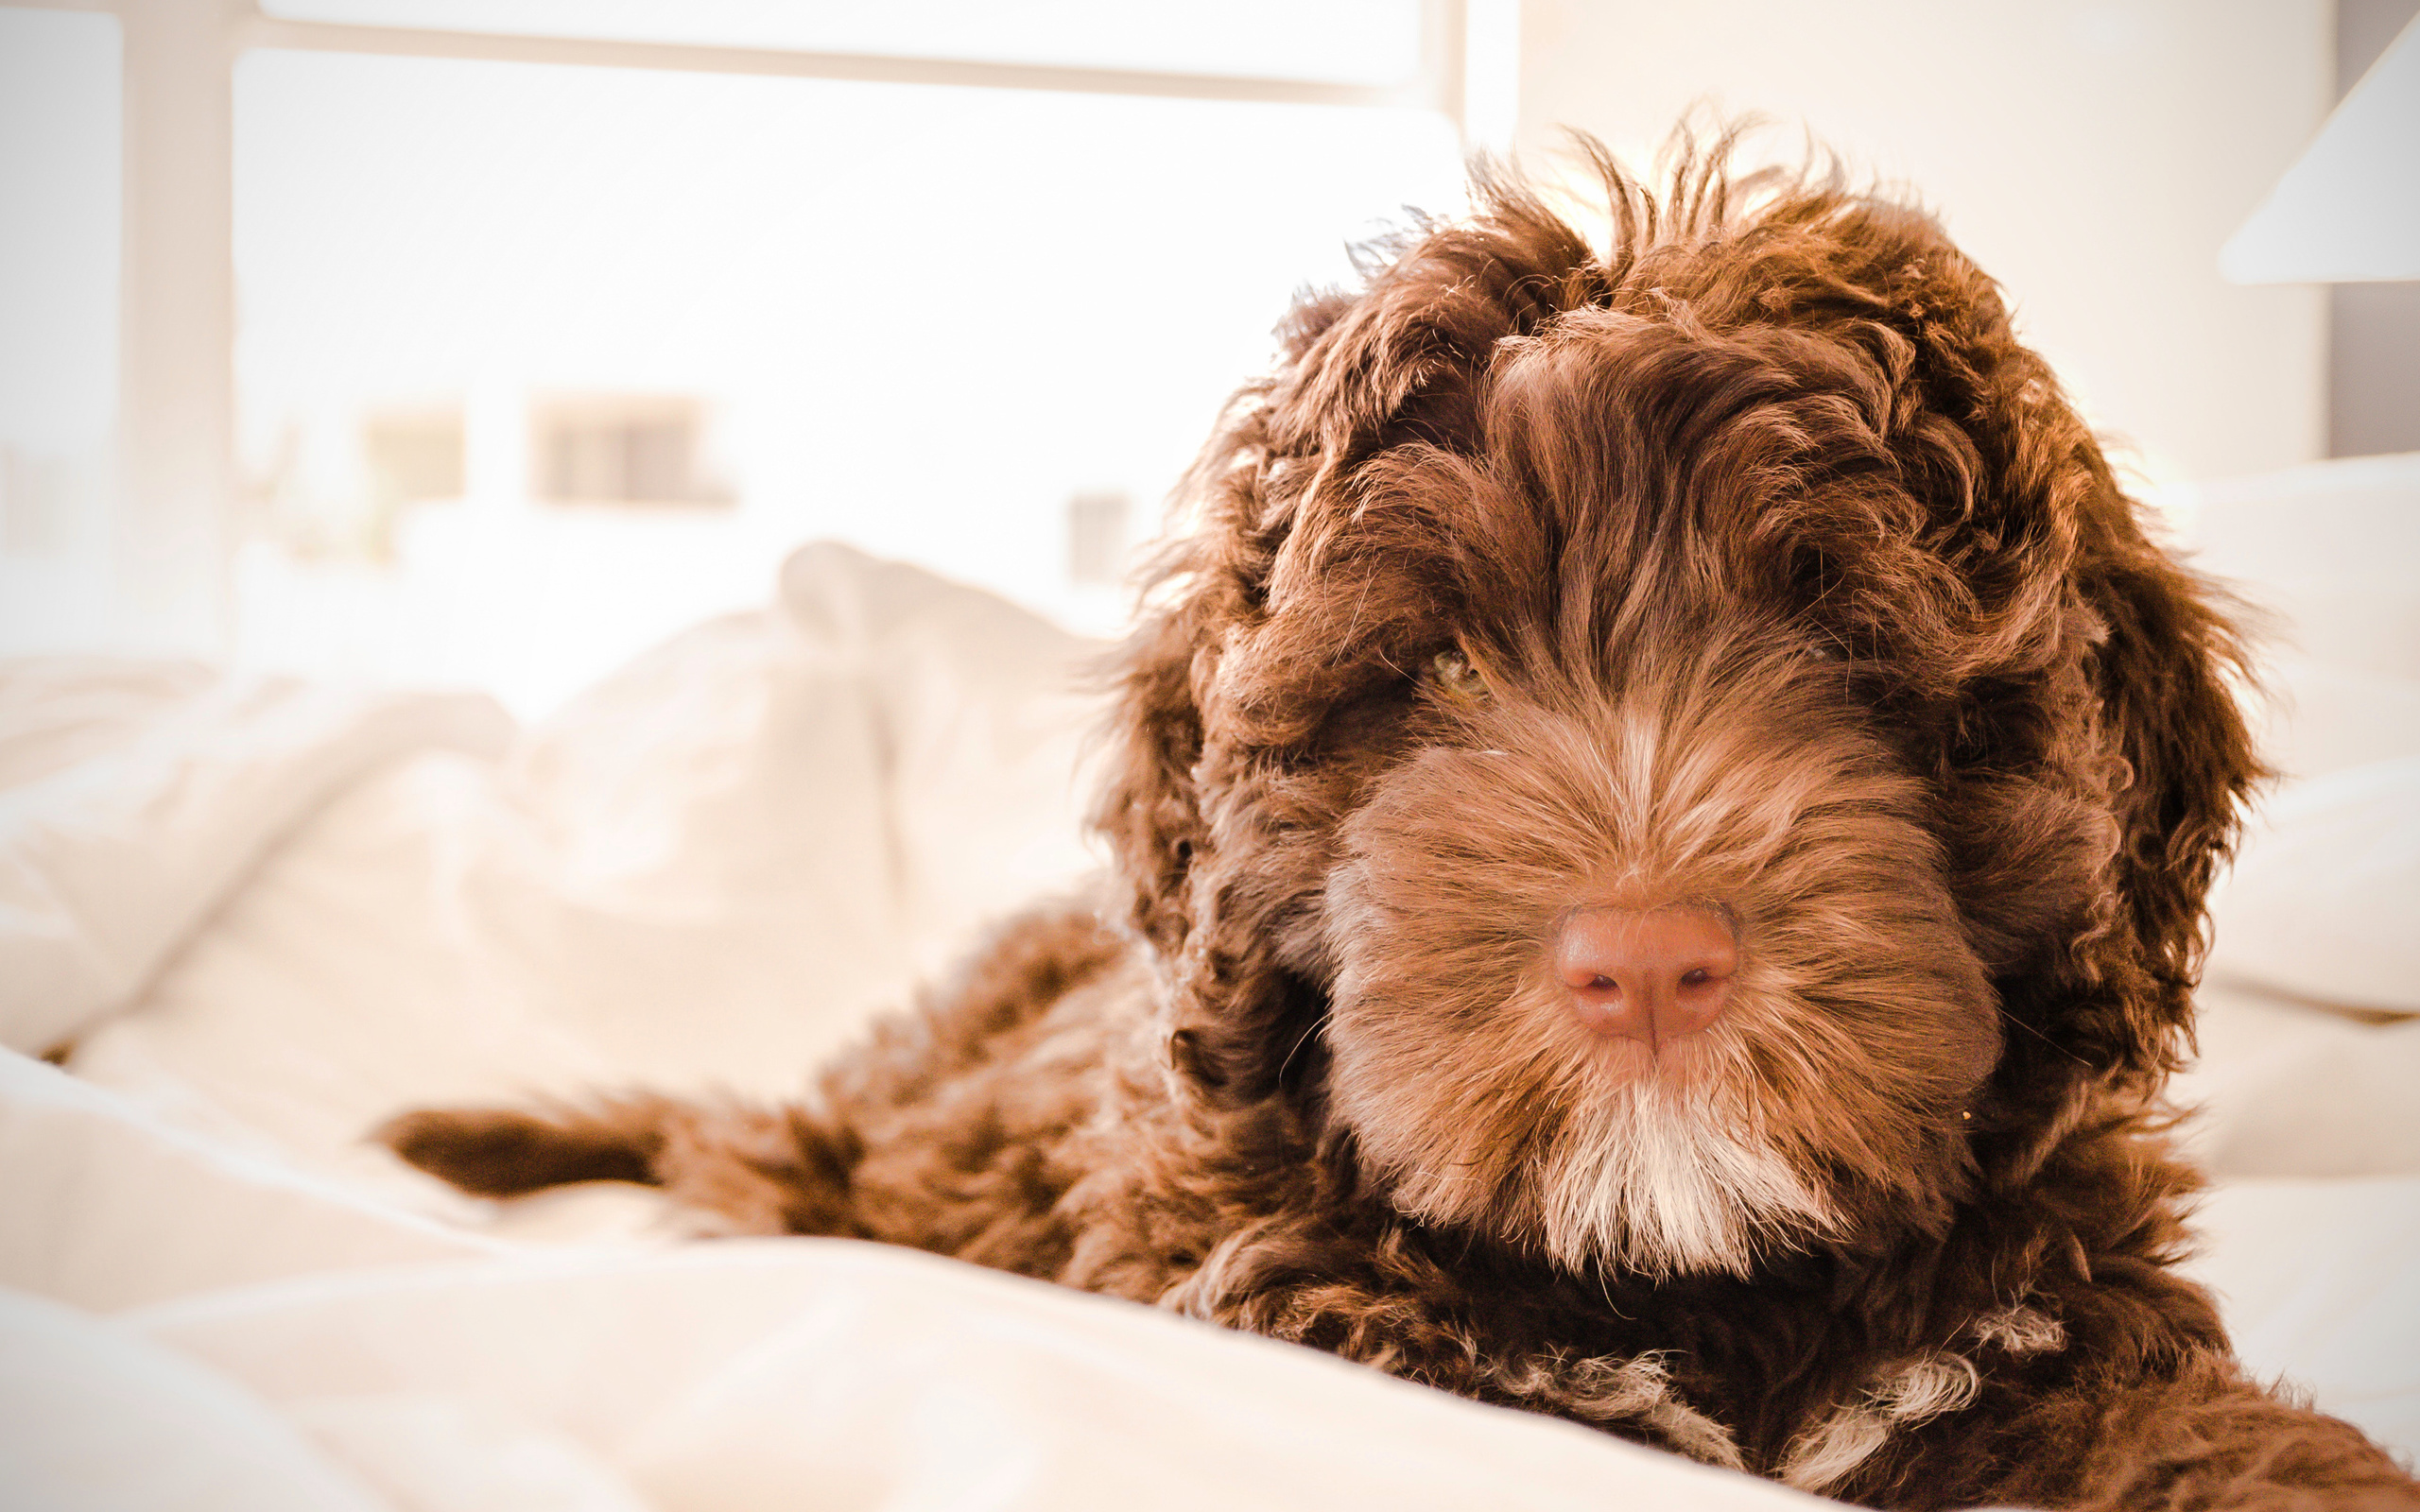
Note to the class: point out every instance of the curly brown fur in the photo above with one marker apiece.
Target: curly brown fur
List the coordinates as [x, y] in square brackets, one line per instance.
[1753, 566]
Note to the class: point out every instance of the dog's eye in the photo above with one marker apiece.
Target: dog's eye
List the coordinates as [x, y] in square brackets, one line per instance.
[1451, 674]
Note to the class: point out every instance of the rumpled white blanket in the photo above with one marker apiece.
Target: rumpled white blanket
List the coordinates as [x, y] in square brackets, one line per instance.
[133, 796]
[181, 1325]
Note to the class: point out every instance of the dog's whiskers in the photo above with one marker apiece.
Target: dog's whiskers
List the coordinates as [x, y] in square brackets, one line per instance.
[1605, 1290]
[2043, 1037]
[1300, 1040]
[1358, 604]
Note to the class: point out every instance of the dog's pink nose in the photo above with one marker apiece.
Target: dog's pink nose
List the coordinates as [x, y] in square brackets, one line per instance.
[1649, 976]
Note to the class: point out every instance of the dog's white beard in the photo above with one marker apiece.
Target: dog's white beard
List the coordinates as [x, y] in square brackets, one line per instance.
[1651, 1179]
[1648, 1177]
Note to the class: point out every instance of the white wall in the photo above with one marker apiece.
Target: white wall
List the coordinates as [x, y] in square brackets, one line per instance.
[2092, 157]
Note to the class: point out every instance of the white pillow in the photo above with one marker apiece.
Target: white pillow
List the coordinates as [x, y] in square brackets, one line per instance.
[2315, 1281]
[2318, 718]
[708, 887]
[986, 717]
[2284, 1089]
[2328, 548]
[2325, 555]
[2322, 901]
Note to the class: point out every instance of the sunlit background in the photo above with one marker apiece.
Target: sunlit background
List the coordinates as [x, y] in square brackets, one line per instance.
[467, 341]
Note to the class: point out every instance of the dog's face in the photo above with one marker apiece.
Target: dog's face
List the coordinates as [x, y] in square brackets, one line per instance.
[1655, 750]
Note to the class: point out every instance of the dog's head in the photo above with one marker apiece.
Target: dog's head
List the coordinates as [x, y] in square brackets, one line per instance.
[1674, 753]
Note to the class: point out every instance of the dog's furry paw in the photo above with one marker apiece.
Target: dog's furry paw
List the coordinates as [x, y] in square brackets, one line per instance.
[502, 1153]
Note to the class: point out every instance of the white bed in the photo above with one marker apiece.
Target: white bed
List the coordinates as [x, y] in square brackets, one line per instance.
[254, 919]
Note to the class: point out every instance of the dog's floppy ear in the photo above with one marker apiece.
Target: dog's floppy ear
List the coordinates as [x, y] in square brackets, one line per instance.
[2185, 760]
[1208, 582]
[2168, 750]
[1149, 812]
[1177, 759]
[1170, 732]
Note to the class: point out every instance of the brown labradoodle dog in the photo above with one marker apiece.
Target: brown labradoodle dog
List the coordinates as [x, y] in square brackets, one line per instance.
[1661, 833]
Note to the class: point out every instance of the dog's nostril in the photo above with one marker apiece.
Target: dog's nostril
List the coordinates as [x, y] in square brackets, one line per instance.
[1647, 974]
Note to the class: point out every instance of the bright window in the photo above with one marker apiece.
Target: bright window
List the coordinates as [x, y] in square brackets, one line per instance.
[980, 329]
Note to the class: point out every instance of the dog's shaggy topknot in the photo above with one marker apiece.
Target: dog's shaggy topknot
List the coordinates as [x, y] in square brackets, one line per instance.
[1743, 583]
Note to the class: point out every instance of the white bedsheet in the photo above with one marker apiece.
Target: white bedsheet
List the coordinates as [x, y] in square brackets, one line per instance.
[269, 917]
[182, 1324]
